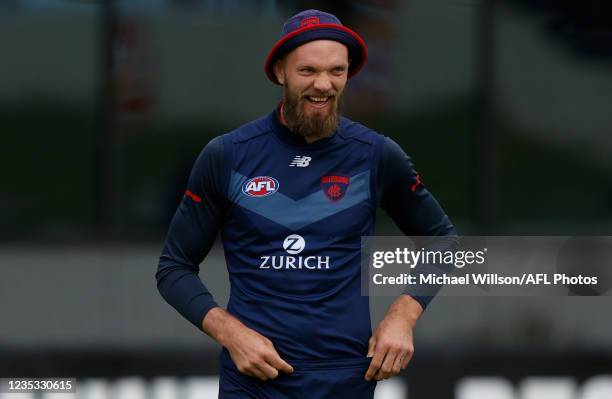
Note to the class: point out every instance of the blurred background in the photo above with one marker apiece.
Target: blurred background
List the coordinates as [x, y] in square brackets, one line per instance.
[504, 105]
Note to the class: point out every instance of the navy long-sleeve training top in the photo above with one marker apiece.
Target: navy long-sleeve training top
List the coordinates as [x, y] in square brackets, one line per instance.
[291, 217]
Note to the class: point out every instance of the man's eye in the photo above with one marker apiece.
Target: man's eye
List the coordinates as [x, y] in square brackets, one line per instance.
[339, 70]
[306, 70]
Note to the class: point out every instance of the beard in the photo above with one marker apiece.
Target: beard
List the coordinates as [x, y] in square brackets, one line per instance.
[316, 123]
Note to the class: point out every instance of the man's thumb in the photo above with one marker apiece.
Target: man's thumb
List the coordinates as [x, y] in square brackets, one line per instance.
[278, 363]
[286, 367]
[371, 346]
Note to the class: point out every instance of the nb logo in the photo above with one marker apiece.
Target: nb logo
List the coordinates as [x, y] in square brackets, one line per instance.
[294, 244]
[301, 161]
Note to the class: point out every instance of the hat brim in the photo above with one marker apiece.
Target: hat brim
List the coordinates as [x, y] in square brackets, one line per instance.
[358, 52]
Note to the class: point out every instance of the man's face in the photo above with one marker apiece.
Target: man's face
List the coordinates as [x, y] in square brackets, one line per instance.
[313, 77]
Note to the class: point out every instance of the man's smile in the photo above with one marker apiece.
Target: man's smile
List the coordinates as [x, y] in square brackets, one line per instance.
[318, 101]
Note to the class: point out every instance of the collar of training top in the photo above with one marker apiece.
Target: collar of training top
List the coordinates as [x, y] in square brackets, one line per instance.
[310, 25]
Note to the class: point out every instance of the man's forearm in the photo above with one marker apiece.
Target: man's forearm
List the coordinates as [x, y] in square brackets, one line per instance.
[181, 287]
[218, 322]
[407, 308]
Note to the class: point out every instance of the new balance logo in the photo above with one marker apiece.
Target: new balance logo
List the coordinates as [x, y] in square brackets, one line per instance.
[301, 161]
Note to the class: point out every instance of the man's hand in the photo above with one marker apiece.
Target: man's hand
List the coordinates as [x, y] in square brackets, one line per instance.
[391, 347]
[252, 353]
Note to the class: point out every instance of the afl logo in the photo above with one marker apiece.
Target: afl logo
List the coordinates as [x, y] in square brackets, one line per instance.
[260, 186]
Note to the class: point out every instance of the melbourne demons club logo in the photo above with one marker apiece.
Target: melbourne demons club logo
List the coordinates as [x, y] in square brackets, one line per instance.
[260, 186]
[335, 187]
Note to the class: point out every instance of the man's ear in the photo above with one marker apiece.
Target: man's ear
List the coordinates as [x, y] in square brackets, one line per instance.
[279, 71]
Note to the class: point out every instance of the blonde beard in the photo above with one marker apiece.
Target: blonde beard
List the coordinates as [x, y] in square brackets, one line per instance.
[311, 128]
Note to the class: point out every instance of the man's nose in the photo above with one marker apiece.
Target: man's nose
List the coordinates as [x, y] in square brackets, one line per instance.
[322, 83]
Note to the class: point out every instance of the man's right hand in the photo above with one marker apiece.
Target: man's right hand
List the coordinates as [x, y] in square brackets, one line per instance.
[252, 353]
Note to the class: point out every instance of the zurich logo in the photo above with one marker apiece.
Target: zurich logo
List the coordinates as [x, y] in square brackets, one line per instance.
[260, 186]
[294, 244]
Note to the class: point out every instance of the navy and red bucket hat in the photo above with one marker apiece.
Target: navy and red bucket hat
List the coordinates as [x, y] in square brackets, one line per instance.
[312, 25]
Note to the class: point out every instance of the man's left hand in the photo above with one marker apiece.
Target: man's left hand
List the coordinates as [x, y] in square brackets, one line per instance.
[391, 346]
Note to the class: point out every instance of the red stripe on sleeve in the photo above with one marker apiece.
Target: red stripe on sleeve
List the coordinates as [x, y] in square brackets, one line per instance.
[193, 196]
[414, 186]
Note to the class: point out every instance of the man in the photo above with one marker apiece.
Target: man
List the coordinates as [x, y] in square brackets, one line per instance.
[293, 193]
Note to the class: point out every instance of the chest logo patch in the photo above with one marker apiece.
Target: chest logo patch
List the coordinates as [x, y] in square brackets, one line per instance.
[335, 187]
[294, 244]
[301, 161]
[260, 186]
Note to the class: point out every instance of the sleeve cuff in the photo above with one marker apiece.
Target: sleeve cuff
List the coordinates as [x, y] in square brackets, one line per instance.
[199, 307]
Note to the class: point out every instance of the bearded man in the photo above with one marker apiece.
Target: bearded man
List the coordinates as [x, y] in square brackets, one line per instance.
[292, 194]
